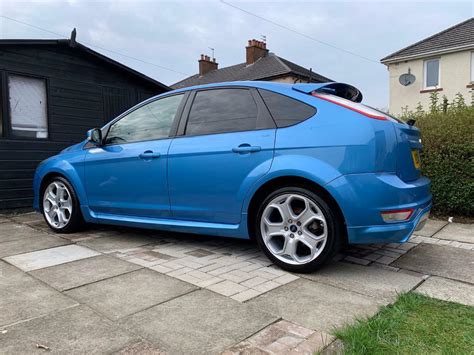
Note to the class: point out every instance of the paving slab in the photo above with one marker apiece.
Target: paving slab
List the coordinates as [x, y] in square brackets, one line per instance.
[126, 294]
[448, 290]
[445, 261]
[50, 257]
[31, 217]
[25, 245]
[431, 227]
[13, 231]
[371, 281]
[77, 330]
[109, 244]
[316, 305]
[22, 297]
[201, 322]
[82, 272]
[456, 231]
[282, 337]
[140, 347]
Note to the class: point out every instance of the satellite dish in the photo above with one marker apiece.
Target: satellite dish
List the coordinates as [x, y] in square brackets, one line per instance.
[407, 79]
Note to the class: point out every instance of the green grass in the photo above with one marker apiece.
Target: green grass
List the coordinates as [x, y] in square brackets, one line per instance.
[414, 324]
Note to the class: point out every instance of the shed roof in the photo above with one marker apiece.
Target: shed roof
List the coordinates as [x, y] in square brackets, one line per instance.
[78, 46]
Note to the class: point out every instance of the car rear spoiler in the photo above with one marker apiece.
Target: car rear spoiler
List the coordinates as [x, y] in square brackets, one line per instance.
[345, 91]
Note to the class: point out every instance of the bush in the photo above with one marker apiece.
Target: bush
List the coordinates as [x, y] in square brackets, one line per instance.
[447, 132]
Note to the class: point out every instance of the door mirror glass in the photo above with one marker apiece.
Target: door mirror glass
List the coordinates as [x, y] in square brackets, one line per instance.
[94, 135]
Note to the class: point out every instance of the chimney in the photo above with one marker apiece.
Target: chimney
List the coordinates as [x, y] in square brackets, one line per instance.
[206, 64]
[256, 50]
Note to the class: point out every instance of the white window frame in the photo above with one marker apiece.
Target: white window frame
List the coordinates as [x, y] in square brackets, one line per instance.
[425, 76]
[472, 67]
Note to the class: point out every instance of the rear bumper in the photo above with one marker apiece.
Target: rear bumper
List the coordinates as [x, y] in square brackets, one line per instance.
[362, 198]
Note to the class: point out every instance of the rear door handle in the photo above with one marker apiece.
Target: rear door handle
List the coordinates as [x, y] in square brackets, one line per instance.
[148, 155]
[246, 148]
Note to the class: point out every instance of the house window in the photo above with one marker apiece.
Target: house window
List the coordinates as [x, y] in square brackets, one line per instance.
[431, 73]
[28, 107]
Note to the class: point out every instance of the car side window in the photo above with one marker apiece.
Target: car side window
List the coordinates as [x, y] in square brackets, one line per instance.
[149, 122]
[222, 110]
[285, 110]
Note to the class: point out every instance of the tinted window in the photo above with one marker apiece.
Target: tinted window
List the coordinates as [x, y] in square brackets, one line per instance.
[223, 110]
[151, 121]
[285, 110]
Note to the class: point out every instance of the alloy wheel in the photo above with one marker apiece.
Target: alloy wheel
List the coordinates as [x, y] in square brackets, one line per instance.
[57, 204]
[294, 228]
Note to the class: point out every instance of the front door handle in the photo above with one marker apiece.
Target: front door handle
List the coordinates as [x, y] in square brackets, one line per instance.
[246, 148]
[148, 155]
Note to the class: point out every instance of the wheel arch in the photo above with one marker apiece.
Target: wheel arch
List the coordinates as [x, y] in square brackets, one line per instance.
[289, 180]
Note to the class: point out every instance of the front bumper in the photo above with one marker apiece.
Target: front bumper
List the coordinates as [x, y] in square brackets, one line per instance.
[362, 197]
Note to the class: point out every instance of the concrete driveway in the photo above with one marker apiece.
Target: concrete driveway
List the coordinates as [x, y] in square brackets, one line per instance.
[118, 290]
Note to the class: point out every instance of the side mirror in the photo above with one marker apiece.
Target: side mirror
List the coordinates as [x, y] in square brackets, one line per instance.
[94, 135]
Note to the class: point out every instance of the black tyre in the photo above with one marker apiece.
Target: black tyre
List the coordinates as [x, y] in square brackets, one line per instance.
[297, 229]
[60, 206]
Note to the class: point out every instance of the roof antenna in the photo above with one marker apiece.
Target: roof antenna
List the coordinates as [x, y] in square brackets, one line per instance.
[212, 49]
[264, 38]
[72, 40]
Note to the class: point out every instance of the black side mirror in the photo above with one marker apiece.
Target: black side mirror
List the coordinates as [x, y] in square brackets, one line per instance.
[94, 135]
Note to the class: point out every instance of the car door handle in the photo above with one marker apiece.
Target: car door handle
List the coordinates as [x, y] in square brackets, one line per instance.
[147, 155]
[246, 148]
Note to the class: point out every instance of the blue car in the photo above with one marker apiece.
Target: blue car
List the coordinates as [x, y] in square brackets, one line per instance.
[301, 169]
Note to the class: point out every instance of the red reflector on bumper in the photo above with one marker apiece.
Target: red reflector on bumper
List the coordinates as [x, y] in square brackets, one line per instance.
[397, 215]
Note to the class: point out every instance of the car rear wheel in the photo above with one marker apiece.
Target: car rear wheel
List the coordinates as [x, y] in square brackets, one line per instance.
[297, 229]
[60, 206]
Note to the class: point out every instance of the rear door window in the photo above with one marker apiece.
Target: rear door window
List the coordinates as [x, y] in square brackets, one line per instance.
[222, 110]
[285, 110]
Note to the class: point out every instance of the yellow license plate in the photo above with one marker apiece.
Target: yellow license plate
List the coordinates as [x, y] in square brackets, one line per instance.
[415, 153]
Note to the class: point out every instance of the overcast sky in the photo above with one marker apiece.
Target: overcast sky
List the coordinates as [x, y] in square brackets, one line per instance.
[173, 34]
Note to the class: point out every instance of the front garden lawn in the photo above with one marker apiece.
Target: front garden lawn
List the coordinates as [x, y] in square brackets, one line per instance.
[414, 324]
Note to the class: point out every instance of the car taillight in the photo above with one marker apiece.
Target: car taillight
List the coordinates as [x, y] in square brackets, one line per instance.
[397, 215]
[354, 106]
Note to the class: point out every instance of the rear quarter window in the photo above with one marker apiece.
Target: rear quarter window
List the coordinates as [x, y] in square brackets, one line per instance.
[285, 110]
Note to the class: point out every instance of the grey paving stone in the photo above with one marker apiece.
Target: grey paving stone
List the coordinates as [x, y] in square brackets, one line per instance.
[448, 290]
[31, 217]
[371, 281]
[315, 305]
[25, 245]
[82, 272]
[22, 297]
[201, 322]
[458, 232]
[439, 260]
[431, 227]
[13, 231]
[126, 294]
[50, 257]
[76, 330]
[109, 244]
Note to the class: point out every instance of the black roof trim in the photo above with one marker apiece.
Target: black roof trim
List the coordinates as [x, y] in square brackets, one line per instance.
[67, 42]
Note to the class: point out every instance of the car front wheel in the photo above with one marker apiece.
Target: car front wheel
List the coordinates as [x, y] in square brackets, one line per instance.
[297, 229]
[60, 206]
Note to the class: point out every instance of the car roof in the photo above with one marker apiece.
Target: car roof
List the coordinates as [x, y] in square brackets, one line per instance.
[256, 84]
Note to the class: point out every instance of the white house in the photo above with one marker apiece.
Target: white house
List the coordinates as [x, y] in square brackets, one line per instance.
[443, 63]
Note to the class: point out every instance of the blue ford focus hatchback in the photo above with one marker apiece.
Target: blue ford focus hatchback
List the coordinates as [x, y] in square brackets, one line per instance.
[299, 168]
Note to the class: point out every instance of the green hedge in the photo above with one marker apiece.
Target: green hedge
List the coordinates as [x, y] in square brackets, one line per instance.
[447, 133]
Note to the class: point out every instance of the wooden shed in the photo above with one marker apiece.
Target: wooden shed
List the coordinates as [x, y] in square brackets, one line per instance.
[51, 93]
